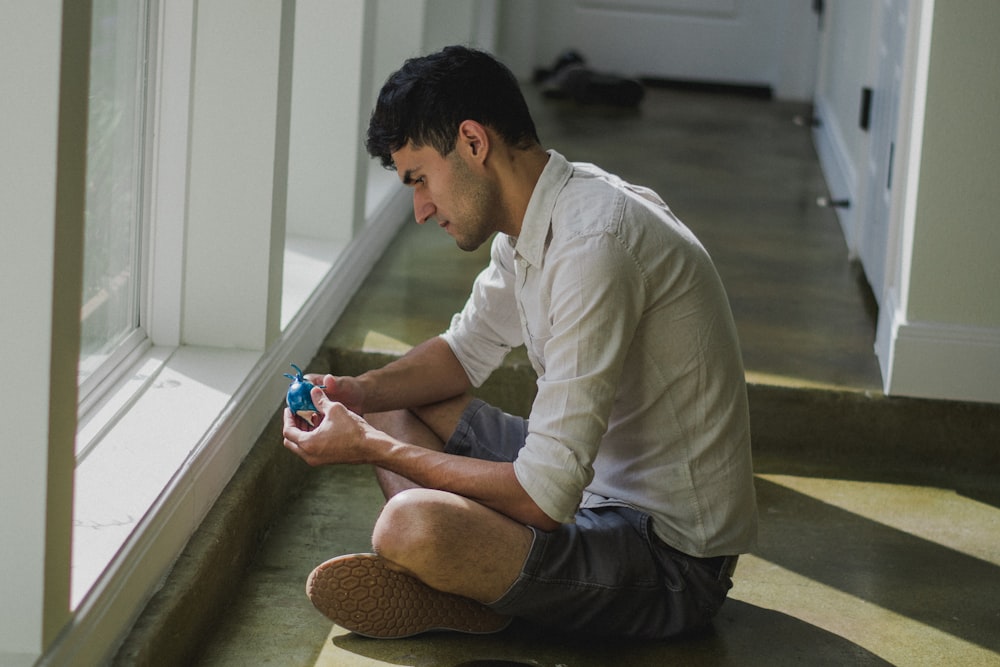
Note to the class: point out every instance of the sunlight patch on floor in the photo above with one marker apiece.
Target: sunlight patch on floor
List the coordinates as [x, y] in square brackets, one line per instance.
[379, 342]
[332, 656]
[892, 636]
[937, 515]
[760, 377]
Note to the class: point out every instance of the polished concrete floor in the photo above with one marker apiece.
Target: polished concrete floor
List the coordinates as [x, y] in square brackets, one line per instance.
[862, 559]
[742, 175]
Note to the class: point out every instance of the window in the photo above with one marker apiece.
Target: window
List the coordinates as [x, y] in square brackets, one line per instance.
[183, 341]
[110, 313]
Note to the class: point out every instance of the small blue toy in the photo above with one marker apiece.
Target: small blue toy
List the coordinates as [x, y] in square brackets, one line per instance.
[298, 398]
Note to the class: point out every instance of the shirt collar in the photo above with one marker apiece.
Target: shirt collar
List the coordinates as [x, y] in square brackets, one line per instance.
[538, 217]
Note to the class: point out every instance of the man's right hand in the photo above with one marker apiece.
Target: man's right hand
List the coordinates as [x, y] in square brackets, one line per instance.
[343, 389]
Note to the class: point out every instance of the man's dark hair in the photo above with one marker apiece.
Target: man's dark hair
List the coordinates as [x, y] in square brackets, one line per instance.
[426, 100]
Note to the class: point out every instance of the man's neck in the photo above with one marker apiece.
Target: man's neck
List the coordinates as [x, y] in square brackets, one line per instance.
[523, 168]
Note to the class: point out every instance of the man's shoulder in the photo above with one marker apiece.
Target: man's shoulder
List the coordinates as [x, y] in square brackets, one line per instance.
[595, 201]
[588, 202]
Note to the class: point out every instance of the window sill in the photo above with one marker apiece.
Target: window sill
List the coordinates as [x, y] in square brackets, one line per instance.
[136, 447]
[157, 454]
[143, 457]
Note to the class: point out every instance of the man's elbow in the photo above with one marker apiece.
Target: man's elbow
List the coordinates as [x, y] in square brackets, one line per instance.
[536, 518]
[545, 523]
[527, 510]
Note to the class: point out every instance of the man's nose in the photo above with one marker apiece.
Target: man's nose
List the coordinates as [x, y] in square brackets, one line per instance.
[423, 209]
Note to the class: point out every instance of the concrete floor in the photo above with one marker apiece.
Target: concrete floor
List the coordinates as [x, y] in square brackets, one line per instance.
[880, 518]
[848, 572]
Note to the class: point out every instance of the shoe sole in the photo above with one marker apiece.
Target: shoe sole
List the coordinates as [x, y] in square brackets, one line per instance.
[359, 593]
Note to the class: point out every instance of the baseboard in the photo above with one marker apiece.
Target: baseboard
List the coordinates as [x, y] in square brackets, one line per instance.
[755, 91]
[936, 360]
[839, 171]
[941, 361]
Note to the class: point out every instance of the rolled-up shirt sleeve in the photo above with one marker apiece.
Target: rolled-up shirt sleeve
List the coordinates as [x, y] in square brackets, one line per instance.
[593, 291]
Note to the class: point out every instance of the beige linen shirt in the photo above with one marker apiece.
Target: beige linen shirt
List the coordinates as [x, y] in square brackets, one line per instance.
[641, 394]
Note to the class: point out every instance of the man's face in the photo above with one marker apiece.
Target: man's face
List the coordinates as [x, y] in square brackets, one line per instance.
[465, 204]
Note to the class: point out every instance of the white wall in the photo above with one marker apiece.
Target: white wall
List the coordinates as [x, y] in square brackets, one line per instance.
[41, 204]
[939, 329]
[939, 322]
[958, 201]
[744, 42]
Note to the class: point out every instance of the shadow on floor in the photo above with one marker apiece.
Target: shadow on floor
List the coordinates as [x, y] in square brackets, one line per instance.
[920, 579]
[878, 516]
[743, 634]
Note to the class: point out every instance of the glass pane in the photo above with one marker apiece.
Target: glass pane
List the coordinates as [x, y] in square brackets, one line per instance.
[110, 310]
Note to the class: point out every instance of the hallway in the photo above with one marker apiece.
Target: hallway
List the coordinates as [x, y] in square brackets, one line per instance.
[879, 517]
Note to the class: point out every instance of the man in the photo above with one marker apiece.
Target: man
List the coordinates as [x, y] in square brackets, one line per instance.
[619, 507]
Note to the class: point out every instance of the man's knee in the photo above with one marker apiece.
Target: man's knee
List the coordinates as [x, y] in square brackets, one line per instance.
[408, 525]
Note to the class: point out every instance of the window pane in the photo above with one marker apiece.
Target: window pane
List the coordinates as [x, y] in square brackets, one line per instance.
[111, 277]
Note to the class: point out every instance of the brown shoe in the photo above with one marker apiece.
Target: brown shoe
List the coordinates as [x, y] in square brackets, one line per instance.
[359, 593]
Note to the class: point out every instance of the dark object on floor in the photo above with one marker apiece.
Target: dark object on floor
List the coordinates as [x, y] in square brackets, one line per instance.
[563, 60]
[570, 78]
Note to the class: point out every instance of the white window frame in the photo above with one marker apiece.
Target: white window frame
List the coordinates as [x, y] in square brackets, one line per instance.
[196, 400]
[95, 389]
[188, 408]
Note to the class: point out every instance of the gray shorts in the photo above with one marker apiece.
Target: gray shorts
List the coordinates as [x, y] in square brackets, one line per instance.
[607, 574]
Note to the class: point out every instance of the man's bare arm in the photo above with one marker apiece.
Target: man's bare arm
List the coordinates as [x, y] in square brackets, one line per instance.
[345, 437]
[429, 373]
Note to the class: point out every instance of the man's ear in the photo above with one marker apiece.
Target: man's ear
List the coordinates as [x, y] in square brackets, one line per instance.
[474, 139]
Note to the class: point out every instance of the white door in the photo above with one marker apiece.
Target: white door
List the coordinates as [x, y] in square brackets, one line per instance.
[874, 224]
[768, 43]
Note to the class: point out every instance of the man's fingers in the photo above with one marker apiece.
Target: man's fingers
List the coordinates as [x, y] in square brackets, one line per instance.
[290, 430]
[288, 419]
[319, 399]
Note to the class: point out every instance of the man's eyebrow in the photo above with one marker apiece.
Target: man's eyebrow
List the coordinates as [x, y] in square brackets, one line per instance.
[408, 177]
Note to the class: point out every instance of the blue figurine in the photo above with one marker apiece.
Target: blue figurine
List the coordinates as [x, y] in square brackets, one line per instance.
[298, 398]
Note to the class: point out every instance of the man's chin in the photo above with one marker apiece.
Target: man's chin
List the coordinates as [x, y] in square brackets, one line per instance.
[470, 245]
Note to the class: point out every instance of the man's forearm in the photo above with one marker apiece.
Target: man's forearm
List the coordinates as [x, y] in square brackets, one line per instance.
[489, 483]
[427, 374]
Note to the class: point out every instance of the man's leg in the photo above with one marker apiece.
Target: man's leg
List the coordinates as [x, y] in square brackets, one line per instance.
[449, 542]
[438, 553]
[428, 426]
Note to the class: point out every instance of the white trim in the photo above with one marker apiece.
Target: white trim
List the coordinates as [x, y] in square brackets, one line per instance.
[839, 170]
[885, 332]
[238, 153]
[942, 361]
[110, 399]
[32, 289]
[913, 120]
[99, 372]
[168, 184]
[936, 360]
[162, 529]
